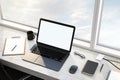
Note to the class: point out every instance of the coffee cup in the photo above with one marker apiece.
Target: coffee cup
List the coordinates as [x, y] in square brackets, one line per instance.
[30, 35]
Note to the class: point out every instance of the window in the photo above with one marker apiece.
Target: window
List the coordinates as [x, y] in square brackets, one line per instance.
[96, 21]
[110, 25]
[28, 12]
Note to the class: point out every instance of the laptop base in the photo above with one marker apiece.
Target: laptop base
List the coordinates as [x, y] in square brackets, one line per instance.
[44, 61]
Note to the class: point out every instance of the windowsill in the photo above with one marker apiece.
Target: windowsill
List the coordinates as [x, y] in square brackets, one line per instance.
[82, 44]
[17, 26]
[108, 51]
[100, 49]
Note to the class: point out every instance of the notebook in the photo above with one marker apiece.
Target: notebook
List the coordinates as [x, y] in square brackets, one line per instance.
[114, 75]
[14, 46]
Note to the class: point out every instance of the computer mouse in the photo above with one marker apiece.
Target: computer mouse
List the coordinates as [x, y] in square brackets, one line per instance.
[73, 69]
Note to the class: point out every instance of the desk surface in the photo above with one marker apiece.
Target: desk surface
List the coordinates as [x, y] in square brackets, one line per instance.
[47, 74]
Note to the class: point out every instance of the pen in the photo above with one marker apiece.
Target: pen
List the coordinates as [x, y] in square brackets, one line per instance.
[16, 37]
[14, 47]
[101, 67]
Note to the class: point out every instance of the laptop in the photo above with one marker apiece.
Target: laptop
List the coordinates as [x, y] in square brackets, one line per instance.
[54, 42]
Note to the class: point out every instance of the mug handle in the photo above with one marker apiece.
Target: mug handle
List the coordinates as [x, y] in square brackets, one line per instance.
[33, 36]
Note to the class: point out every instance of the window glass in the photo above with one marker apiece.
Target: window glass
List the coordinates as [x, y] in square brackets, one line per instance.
[110, 25]
[28, 12]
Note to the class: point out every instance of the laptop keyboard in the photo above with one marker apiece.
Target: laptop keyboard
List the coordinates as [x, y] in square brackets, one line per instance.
[35, 50]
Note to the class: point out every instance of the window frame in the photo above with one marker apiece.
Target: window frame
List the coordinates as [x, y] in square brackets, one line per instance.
[95, 45]
[100, 44]
[90, 45]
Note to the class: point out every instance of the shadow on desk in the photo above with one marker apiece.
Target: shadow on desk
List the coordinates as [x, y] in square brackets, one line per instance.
[13, 74]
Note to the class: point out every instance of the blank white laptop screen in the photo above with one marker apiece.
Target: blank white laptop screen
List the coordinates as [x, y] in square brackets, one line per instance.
[55, 35]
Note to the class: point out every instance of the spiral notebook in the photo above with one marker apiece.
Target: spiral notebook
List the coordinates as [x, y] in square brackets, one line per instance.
[14, 46]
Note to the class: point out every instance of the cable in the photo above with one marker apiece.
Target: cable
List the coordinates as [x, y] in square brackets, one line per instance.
[114, 61]
[111, 63]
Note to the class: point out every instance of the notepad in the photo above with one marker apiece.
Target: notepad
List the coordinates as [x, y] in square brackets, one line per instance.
[14, 46]
[114, 75]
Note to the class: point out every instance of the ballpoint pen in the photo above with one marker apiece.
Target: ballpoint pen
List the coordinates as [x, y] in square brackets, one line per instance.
[14, 47]
[16, 37]
[101, 67]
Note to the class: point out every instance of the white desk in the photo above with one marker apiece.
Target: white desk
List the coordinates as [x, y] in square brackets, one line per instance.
[47, 74]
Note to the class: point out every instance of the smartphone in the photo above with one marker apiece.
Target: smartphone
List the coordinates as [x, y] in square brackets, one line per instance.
[90, 68]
